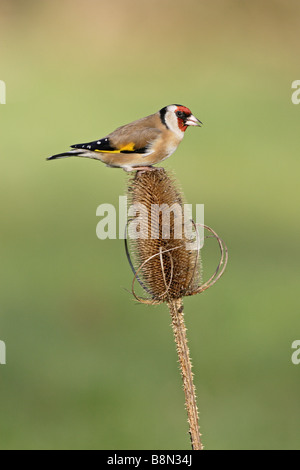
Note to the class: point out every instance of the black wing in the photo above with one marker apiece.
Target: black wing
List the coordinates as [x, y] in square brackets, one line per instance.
[104, 145]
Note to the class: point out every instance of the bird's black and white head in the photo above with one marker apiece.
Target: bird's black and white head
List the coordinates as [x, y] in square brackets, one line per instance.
[178, 118]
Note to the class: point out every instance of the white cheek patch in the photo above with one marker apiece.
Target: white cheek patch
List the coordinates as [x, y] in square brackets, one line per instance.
[172, 122]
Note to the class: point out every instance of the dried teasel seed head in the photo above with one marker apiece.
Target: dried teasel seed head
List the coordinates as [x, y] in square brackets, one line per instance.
[166, 263]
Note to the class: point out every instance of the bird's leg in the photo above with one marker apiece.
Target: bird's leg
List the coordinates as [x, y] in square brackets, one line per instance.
[143, 169]
[128, 169]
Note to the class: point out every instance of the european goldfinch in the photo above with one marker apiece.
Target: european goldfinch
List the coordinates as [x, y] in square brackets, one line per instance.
[140, 144]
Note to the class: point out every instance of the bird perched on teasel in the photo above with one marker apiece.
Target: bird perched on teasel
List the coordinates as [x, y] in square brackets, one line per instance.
[140, 144]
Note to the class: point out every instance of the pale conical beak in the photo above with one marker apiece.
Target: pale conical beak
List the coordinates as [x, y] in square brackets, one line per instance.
[193, 121]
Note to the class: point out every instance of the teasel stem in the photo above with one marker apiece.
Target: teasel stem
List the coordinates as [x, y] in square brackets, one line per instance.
[179, 329]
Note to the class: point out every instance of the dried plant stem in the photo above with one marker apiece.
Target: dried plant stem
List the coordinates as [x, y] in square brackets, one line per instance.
[179, 329]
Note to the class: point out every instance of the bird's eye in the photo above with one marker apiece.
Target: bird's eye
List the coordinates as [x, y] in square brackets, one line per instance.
[180, 114]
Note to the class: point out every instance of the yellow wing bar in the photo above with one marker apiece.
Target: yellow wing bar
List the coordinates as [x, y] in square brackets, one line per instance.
[127, 148]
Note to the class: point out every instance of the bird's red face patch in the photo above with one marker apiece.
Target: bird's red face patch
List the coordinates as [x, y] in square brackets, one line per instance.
[185, 110]
[182, 114]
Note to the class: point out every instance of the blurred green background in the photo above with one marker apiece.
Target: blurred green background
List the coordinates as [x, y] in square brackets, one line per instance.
[86, 366]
